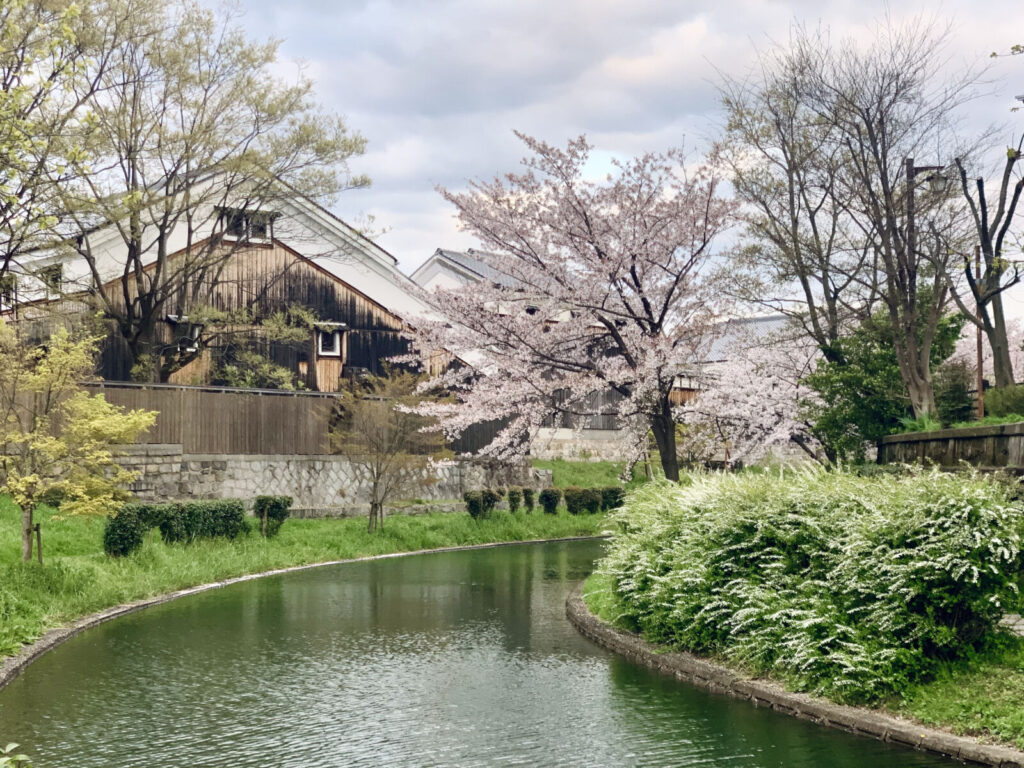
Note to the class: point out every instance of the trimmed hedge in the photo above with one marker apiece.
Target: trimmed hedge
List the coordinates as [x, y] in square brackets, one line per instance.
[515, 498]
[187, 521]
[549, 499]
[474, 503]
[580, 500]
[271, 511]
[490, 499]
[612, 497]
[528, 499]
[125, 531]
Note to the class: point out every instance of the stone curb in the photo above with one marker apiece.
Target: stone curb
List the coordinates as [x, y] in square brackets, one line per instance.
[14, 665]
[719, 679]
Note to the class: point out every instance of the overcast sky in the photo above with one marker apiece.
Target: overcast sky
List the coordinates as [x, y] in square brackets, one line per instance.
[438, 86]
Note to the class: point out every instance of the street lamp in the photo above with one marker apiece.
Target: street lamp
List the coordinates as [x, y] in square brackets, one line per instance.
[936, 178]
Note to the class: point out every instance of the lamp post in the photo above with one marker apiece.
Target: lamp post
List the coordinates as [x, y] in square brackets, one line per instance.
[912, 171]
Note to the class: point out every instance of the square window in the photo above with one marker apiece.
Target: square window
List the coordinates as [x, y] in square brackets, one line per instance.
[329, 343]
[52, 277]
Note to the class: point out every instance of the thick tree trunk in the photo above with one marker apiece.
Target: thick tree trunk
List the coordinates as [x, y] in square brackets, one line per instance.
[664, 429]
[1002, 365]
[26, 533]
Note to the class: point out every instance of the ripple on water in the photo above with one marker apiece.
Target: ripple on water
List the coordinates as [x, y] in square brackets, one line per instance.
[462, 659]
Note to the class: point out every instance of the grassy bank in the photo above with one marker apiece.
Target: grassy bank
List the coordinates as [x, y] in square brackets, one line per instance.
[78, 579]
[589, 474]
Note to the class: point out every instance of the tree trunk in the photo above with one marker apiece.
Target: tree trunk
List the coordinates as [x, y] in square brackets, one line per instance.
[664, 429]
[26, 533]
[1002, 365]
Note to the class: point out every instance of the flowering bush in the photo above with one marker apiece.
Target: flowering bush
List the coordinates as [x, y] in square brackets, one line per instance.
[847, 586]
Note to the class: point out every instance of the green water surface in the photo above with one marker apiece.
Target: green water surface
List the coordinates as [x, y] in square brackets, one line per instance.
[457, 659]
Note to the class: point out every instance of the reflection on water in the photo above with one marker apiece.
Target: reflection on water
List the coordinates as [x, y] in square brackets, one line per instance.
[460, 659]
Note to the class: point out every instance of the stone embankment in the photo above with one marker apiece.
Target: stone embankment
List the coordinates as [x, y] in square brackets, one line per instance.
[760, 693]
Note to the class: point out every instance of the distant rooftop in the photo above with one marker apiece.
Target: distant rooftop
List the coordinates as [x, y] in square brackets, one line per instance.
[752, 327]
[470, 263]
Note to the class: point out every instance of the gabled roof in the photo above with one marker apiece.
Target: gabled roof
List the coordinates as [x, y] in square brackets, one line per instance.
[467, 264]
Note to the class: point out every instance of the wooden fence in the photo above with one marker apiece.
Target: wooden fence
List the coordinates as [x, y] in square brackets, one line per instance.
[232, 421]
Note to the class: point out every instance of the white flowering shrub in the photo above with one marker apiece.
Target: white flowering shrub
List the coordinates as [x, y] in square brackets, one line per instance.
[846, 586]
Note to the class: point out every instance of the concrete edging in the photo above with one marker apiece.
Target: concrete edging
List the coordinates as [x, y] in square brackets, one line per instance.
[14, 665]
[722, 680]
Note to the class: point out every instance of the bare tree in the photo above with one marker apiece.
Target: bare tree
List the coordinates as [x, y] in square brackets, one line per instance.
[385, 441]
[843, 182]
[998, 273]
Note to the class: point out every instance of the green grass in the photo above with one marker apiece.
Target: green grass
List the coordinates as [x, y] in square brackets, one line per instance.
[983, 698]
[589, 474]
[926, 424]
[77, 578]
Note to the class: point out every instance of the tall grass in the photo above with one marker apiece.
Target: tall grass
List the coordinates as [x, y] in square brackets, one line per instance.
[78, 579]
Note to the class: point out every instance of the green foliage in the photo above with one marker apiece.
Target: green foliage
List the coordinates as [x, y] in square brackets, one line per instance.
[515, 498]
[924, 424]
[474, 504]
[1003, 401]
[125, 531]
[850, 587]
[862, 398]
[271, 511]
[573, 496]
[528, 499]
[588, 474]
[489, 498]
[591, 500]
[612, 497]
[192, 520]
[10, 757]
[953, 384]
[549, 499]
[248, 369]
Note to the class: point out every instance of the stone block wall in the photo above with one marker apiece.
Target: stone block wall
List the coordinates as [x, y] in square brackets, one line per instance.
[320, 485]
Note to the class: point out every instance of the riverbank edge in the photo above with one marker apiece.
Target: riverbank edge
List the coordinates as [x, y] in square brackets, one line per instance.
[761, 693]
[12, 666]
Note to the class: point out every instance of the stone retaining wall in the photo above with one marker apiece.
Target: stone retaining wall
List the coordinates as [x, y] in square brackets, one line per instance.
[999, 446]
[719, 679]
[320, 485]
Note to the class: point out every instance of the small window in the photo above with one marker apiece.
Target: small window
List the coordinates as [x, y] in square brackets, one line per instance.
[329, 343]
[52, 277]
[247, 225]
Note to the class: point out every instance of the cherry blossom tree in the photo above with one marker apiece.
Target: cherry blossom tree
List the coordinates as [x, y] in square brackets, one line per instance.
[602, 291]
[752, 400]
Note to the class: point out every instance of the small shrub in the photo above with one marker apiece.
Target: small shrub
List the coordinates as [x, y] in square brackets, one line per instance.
[549, 499]
[574, 499]
[124, 532]
[1004, 401]
[490, 499]
[612, 497]
[528, 499]
[515, 498]
[591, 498]
[171, 523]
[474, 503]
[271, 511]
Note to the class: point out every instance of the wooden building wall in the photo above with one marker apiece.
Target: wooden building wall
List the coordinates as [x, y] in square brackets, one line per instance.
[266, 278]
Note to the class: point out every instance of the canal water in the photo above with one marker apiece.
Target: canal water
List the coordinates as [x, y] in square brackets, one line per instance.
[456, 659]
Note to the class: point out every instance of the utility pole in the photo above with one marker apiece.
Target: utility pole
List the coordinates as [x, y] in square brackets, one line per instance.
[981, 380]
